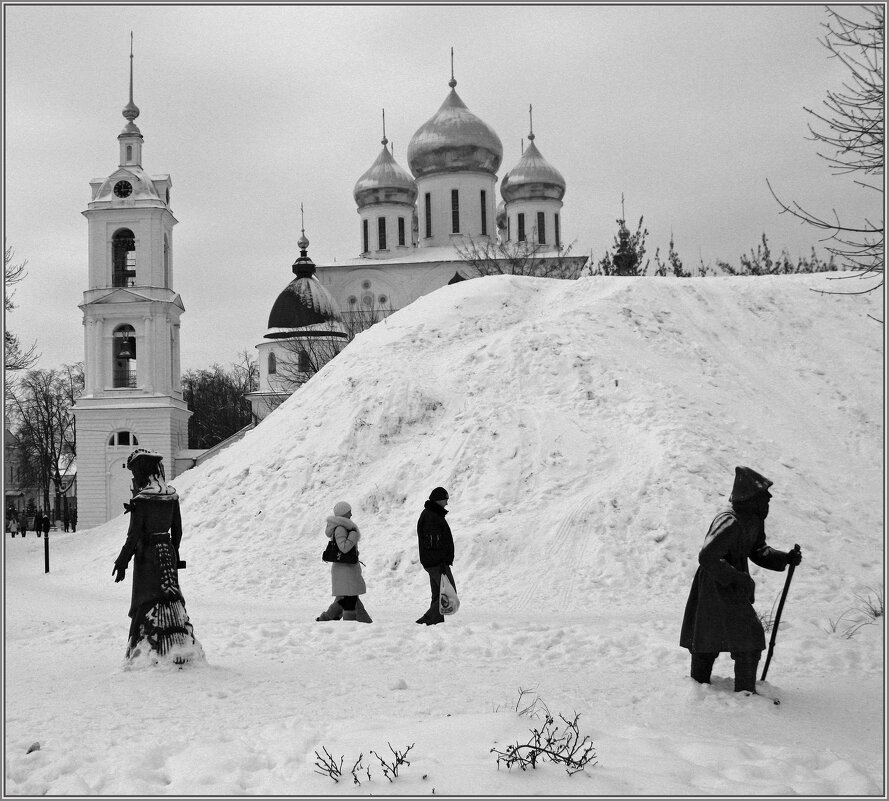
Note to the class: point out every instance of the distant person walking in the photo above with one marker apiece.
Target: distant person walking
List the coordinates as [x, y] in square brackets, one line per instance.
[160, 629]
[13, 526]
[719, 613]
[67, 523]
[74, 521]
[347, 582]
[436, 550]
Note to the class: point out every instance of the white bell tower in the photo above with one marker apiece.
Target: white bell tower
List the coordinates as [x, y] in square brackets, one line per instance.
[132, 395]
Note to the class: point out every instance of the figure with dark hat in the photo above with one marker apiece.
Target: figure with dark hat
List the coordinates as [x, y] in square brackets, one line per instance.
[160, 630]
[719, 613]
[436, 550]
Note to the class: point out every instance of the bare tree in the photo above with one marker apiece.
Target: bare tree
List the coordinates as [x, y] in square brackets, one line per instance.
[850, 128]
[15, 355]
[629, 252]
[216, 399]
[486, 257]
[40, 407]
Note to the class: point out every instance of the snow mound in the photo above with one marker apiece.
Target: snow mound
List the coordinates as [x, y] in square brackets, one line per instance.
[587, 432]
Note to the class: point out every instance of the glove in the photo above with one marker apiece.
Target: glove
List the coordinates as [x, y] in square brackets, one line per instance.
[794, 557]
[119, 573]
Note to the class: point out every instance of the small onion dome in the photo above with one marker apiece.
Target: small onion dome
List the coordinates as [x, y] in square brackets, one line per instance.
[453, 140]
[385, 182]
[532, 178]
[305, 304]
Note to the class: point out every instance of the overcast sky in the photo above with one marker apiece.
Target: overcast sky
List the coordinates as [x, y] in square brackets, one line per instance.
[252, 110]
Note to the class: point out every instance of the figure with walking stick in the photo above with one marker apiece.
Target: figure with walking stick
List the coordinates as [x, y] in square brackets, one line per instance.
[719, 613]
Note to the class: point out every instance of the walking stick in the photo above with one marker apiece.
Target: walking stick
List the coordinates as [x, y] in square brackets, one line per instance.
[778, 618]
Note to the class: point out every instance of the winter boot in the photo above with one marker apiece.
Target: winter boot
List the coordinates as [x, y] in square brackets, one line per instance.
[333, 612]
[745, 672]
[702, 667]
[350, 614]
[361, 613]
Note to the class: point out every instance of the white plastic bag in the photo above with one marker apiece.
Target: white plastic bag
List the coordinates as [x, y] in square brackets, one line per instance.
[448, 602]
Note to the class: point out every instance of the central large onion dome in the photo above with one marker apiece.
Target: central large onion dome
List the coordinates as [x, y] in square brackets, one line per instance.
[305, 307]
[453, 140]
[385, 182]
[532, 178]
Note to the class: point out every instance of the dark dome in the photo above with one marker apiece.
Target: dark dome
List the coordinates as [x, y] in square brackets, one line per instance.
[532, 178]
[304, 303]
[452, 140]
[385, 182]
[305, 306]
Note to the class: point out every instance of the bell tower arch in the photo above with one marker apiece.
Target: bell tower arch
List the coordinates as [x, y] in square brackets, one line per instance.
[131, 329]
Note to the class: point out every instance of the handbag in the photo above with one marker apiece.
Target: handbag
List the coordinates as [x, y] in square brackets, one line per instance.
[448, 602]
[332, 553]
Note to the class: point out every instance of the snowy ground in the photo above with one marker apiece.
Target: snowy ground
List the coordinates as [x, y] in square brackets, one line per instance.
[587, 432]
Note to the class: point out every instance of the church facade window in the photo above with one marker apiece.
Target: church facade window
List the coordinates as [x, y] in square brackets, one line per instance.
[428, 204]
[484, 201]
[305, 363]
[365, 243]
[521, 218]
[401, 231]
[381, 232]
[455, 211]
[123, 258]
[129, 152]
[541, 227]
[556, 231]
[273, 363]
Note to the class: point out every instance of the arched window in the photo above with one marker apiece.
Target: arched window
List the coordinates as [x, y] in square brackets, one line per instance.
[305, 363]
[129, 152]
[123, 356]
[125, 438]
[273, 363]
[123, 258]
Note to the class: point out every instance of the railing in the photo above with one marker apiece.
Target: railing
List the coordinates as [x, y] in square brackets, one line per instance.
[125, 378]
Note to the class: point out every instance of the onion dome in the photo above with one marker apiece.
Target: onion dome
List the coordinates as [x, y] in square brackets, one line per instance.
[532, 178]
[305, 304]
[385, 182]
[453, 140]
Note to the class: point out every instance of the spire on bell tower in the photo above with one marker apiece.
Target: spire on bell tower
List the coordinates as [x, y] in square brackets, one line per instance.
[452, 83]
[130, 137]
[531, 122]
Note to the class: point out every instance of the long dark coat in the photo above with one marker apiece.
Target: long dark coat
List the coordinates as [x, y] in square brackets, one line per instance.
[434, 536]
[719, 613]
[150, 513]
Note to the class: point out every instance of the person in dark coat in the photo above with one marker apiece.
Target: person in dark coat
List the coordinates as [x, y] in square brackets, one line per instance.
[719, 613]
[436, 550]
[160, 629]
[47, 524]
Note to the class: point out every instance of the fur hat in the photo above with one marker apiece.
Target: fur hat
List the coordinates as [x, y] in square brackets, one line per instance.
[342, 509]
[142, 453]
[438, 494]
[748, 484]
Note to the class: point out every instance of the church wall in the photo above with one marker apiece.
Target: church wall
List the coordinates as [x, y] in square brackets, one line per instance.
[529, 208]
[469, 186]
[391, 212]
